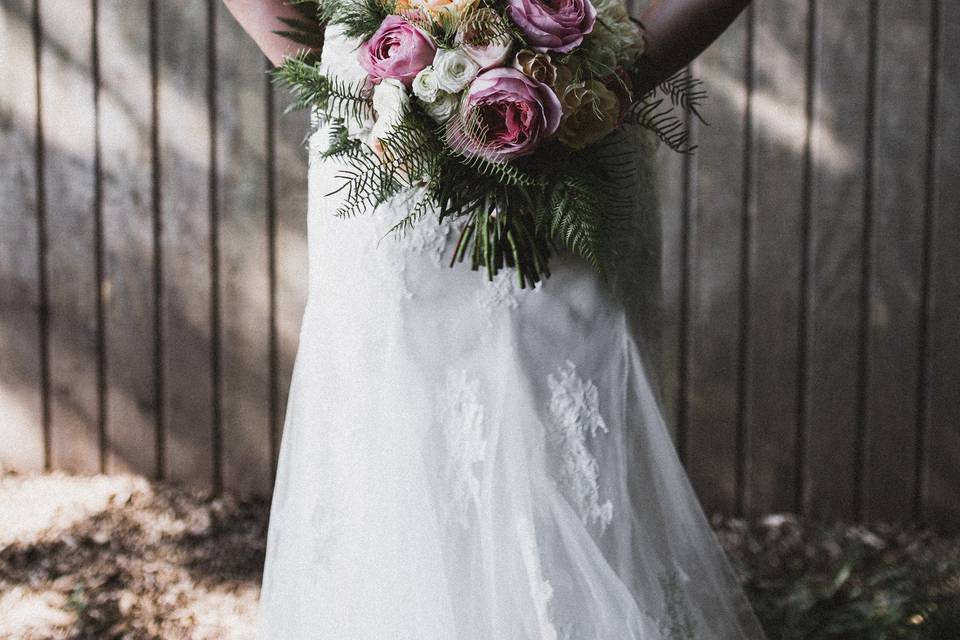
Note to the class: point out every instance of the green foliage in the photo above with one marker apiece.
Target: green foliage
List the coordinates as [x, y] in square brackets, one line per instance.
[852, 583]
[340, 143]
[312, 89]
[358, 18]
[307, 29]
[669, 126]
[406, 154]
[685, 91]
[664, 109]
[442, 27]
[572, 217]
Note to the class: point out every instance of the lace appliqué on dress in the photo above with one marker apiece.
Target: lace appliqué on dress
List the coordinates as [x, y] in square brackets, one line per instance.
[499, 293]
[464, 431]
[575, 416]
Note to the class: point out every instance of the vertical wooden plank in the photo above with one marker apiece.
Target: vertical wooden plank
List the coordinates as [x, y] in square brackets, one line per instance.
[778, 125]
[21, 384]
[836, 219]
[68, 116]
[244, 272]
[184, 141]
[670, 172]
[683, 297]
[716, 270]
[943, 429]
[125, 112]
[289, 245]
[898, 201]
[670, 167]
[291, 237]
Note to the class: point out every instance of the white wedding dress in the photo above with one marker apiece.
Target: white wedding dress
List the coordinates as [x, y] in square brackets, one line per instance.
[466, 460]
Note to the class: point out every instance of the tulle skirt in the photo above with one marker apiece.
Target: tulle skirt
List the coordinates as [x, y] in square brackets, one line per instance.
[463, 459]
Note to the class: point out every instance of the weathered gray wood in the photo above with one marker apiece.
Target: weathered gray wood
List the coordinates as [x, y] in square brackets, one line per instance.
[125, 113]
[262, 262]
[290, 243]
[837, 146]
[899, 172]
[670, 166]
[244, 274]
[185, 155]
[778, 130]
[715, 276]
[67, 112]
[21, 389]
[943, 428]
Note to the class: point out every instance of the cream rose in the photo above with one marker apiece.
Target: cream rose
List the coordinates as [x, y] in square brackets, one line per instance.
[433, 7]
[454, 69]
[444, 106]
[425, 85]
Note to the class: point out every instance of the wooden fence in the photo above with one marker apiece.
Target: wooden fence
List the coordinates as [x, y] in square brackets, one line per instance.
[152, 254]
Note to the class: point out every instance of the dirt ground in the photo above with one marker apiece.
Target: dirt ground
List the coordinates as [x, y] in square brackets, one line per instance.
[119, 557]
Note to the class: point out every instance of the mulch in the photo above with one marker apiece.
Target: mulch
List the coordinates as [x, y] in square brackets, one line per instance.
[121, 557]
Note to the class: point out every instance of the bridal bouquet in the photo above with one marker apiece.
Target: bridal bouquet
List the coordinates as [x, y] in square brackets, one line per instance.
[509, 116]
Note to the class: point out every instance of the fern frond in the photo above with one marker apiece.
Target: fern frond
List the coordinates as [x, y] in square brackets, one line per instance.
[358, 18]
[442, 26]
[664, 121]
[307, 40]
[340, 144]
[573, 218]
[686, 92]
[306, 30]
[309, 9]
[332, 96]
[411, 148]
[368, 182]
[423, 206]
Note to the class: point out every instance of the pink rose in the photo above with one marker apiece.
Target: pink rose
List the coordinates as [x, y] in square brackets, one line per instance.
[397, 50]
[504, 115]
[553, 25]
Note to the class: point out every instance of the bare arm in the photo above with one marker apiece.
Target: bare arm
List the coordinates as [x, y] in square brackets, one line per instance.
[259, 18]
[679, 30]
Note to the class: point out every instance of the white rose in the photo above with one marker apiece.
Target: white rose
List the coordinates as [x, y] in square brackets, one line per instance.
[443, 107]
[425, 84]
[454, 69]
[390, 100]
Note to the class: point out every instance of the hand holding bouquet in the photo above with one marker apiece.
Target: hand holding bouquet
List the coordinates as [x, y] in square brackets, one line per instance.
[510, 116]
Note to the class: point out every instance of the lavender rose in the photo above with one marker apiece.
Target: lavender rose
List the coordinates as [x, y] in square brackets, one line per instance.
[396, 50]
[504, 115]
[553, 25]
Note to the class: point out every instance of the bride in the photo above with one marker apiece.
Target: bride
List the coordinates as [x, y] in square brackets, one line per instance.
[465, 459]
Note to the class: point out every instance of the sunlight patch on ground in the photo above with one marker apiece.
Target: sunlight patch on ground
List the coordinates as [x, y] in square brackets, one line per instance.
[43, 506]
[33, 614]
